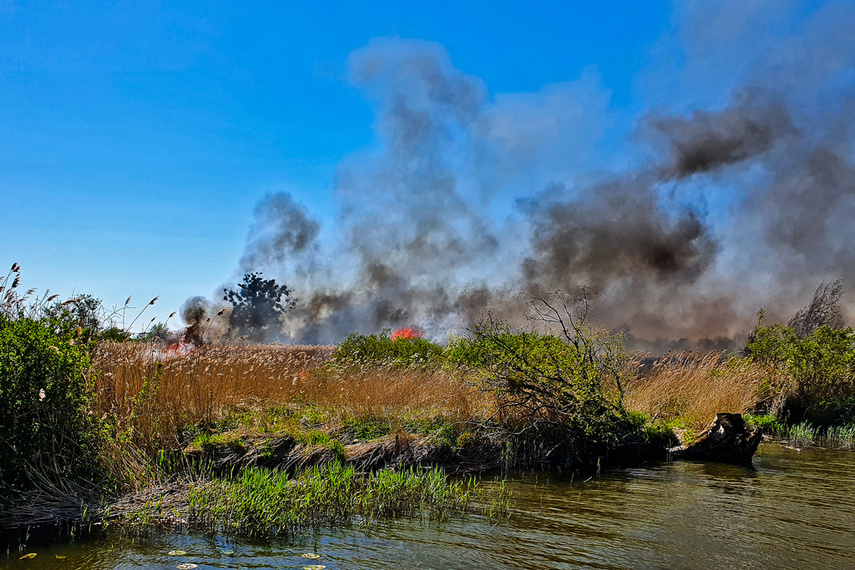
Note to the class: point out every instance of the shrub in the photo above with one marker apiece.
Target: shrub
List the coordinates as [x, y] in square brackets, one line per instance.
[821, 367]
[559, 392]
[375, 349]
[44, 398]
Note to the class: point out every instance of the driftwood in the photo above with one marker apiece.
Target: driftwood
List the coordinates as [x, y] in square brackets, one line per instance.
[726, 439]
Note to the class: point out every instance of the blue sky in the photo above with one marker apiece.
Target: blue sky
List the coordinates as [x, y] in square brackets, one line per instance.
[137, 137]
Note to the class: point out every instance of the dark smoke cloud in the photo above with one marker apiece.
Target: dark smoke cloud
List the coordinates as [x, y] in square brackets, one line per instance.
[745, 198]
[614, 231]
[201, 320]
[706, 140]
[282, 232]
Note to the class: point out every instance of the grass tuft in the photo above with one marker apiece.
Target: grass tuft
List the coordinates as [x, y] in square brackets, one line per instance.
[262, 503]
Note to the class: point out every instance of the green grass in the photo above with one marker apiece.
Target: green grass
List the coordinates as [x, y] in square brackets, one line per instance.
[805, 434]
[258, 502]
[771, 424]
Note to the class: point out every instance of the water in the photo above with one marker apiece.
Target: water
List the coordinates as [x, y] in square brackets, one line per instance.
[794, 509]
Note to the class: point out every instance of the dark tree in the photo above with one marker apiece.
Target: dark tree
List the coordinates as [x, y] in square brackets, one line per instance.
[256, 304]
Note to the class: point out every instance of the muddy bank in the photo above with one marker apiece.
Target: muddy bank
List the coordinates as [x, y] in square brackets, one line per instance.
[727, 439]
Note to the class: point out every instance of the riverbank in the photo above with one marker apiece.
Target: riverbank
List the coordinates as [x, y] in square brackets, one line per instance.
[641, 516]
[150, 417]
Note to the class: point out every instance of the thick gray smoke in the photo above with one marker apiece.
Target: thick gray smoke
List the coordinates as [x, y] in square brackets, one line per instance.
[469, 197]
[283, 231]
[707, 140]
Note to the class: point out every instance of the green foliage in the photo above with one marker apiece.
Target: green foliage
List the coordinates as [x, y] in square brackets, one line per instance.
[114, 334]
[821, 368]
[368, 350]
[257, 303]
[538, 373]
[84, 313]
[158, 331]
[257, 502]
[366, 428]
[770, 423]
[44, 398]
[560, 394]
[210, 442]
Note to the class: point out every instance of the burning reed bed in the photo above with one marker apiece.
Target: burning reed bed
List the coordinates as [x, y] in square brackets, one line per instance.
[235, 401]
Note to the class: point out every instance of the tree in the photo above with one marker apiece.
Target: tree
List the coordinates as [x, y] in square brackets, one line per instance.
[256, 304]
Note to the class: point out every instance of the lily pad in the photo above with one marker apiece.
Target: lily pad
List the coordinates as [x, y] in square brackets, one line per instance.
[311, 556]
[176, 553]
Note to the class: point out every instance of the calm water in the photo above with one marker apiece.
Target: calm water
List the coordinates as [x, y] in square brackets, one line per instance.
[793, 510]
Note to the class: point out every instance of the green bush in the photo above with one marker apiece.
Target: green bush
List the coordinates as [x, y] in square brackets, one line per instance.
[372, 349]
[44, 398]
[555, 393]
[821, 368]
[543, 370]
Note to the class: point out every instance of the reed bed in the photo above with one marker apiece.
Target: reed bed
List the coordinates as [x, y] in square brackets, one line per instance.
[691, 388]
[262, 503]
[806, 434]
[148, 393]
[149, 397]
[390, 390]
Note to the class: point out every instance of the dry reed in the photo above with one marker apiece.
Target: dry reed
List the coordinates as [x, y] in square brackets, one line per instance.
[149, 395]
[693, 388]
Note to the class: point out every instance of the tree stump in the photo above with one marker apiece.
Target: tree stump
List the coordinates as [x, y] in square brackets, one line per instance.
[726, 439]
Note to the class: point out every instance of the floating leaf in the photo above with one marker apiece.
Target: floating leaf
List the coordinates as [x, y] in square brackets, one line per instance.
[176, 553]
[311, 556]
[27, 556]
[314, 567]
[227, 552]
[186, 566]
[58, 557]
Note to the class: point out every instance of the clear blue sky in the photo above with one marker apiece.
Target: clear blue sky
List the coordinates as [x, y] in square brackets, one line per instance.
[136, 137]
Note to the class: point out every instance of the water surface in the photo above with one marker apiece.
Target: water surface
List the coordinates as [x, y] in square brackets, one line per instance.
[793, 509]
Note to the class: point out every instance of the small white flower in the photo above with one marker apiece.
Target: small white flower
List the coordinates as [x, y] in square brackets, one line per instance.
[42, 394]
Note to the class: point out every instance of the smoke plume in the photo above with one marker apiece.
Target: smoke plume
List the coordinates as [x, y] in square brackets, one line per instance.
[718, 207]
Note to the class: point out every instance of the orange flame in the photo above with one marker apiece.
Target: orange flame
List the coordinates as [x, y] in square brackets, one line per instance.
[407, 334]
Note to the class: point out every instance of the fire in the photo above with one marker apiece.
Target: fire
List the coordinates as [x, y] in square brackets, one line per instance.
[173, 350]
[407, 334]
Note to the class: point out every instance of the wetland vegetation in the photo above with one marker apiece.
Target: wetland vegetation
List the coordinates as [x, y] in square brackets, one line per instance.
[261, 440]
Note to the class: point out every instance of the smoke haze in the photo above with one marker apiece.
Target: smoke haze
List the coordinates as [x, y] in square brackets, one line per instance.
[470, 197]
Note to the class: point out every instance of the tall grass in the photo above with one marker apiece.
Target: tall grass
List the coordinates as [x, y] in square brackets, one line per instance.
[835, 437]
[150, 398]
[691, 388]
[258, 502]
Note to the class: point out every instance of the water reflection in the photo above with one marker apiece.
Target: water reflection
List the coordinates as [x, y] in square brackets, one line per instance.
[791, 510]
